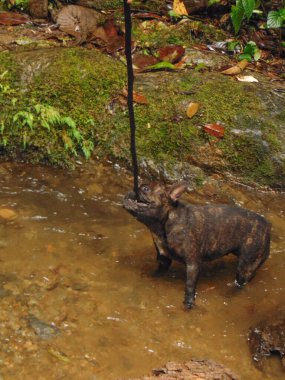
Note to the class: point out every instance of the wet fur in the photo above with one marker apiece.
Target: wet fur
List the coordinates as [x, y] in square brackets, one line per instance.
[194, 233]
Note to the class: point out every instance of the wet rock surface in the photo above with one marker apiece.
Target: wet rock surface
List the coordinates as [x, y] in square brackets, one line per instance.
[192, 370]
[268, 337]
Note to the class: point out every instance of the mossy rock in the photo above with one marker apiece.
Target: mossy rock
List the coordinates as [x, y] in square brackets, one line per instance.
[85, 85]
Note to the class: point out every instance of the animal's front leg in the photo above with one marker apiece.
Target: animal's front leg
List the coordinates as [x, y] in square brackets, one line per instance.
[162, 255]
[192, 272]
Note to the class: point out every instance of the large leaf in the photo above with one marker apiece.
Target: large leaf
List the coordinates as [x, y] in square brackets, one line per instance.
[248, 6]
[237, 15]
[276, 19]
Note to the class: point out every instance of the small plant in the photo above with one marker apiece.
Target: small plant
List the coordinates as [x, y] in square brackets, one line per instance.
[27, 124]
[242, 9]
[276, 19]
[18, 4]
[245, 9]
[250, 52]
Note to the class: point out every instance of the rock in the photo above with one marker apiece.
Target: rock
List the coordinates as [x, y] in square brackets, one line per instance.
[38, 8]
[192, 370]
[7, 215]
[42, 329]
[267, 337]
[82, 23]
[209, 59]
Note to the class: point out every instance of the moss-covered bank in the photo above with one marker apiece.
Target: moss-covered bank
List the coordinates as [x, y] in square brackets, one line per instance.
[63, 102]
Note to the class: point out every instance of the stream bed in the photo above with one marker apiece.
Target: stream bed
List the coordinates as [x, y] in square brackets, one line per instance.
[77, 291]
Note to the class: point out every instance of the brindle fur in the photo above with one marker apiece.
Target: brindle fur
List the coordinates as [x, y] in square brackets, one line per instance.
[193, 233]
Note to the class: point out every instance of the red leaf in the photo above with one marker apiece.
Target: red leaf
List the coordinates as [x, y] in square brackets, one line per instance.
[110, 28]
[171, 53]
[148, 16]
[140, 61]
[138, 98]
[216, 130]
[12, 18]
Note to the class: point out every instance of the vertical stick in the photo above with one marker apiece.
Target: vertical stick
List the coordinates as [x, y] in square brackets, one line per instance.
[128, 50]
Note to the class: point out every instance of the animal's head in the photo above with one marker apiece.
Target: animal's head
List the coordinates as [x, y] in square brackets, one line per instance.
[154, 200]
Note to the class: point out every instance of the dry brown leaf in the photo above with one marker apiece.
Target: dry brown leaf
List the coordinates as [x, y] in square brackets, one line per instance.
[242, 64]
[179, 8]
[237, 69]
[171, 53]
[192, 109]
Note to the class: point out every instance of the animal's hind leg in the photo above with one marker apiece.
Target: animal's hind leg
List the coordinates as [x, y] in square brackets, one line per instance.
[250, 260]
[247, 268]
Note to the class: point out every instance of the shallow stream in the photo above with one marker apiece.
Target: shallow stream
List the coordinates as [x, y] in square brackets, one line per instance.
[78, 298]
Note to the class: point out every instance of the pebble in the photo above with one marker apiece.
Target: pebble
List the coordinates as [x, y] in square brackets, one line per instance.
[6, 214]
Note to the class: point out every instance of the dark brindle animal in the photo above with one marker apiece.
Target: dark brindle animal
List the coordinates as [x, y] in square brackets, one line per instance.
[193, 233]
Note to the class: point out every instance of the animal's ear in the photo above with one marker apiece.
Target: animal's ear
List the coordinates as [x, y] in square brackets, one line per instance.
[177, 190]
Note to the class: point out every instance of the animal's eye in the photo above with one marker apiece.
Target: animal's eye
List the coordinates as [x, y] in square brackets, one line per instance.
[145, 188]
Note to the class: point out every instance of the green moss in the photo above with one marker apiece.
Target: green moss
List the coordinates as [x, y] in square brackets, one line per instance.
[82, 83]
[78, 83]
[155, 34]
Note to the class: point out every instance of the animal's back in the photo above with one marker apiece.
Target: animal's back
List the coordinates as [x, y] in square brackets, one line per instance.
[215, 229]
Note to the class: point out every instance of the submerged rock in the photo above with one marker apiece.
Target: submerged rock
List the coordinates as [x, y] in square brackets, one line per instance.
[42, 329]
[268, 337]
[7, 215]
[192, 370]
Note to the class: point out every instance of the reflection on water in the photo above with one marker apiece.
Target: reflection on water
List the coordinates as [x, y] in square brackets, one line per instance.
[78, 300]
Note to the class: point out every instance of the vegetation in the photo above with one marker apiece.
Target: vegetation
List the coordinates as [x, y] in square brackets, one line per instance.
[244, 9]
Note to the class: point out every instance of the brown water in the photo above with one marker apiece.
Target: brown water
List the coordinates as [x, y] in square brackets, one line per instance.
[76, 261]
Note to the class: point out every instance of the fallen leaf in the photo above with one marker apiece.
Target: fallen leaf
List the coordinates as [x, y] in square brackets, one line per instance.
[246, 78]
[58, 354]
[179, 8]
[182, 63]
[237, 69]
[242, 64]
[12, 18]
[171, 53]
[110, 28]
[7, 214]
[141, 61]
[162, 66]
[138, 98]
[192, 109]
[216, 130]
[147, 16]
[115, 44]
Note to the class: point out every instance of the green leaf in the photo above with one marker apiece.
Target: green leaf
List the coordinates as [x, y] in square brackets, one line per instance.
[275, 19]
[245, 56]
[68, 121]
[87, 148]
[252, 50]
[45, 124]
[161, 66]
[232, 45]
[237, 15]
[2, 127]
[211, 2]
[248, 6]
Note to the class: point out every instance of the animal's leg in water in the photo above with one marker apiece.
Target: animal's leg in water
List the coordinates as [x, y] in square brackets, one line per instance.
[192, 273]
[246, 269]
[162, 256]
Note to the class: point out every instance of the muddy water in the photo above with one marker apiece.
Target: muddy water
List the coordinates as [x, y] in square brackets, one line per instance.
[78, 299]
